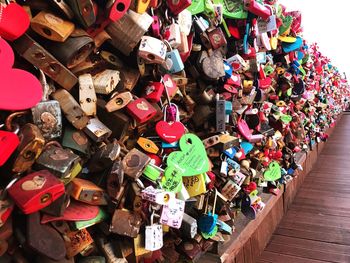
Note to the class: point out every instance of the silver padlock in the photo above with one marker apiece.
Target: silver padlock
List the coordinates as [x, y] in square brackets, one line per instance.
[106, 81]
[87, 95]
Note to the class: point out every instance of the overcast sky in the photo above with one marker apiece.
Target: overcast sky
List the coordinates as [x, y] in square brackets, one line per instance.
[327, 23]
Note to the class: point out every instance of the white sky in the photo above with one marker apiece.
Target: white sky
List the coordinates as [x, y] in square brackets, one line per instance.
[327, 23]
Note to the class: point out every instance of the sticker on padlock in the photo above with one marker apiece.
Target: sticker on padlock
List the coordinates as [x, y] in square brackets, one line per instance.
[172, 213]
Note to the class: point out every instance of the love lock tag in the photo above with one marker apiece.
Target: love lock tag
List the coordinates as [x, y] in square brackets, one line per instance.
[153, 236]
[172, 180]
[172, 213]
[207, 222]
[170, 131]
[192, 158]
[273, 172]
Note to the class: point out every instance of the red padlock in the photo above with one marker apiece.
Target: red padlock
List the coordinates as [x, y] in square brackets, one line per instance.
[176, 6]
[153, 92]
[36, 191]
[14, 21]
[110, 14]
[8, 144]
[257, 9]
[141, 110]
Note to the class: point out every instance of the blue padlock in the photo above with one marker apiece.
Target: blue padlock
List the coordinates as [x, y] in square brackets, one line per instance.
[247, 147]
[230, 152]
[173, 63]
[166, 145]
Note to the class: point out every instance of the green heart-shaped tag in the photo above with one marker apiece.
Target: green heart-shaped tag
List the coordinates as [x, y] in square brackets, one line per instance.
[273, 173]
[196, 7]
[192, 158]
[211, 234]
[172, 180]
[286, 118]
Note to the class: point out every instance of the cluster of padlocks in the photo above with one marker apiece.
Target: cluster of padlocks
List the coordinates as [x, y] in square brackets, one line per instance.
[137, 131]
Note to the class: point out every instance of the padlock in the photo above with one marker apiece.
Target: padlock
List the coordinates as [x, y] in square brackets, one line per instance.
[207, 222]
[6, 231]
[177, 6]
[230, 190]
[36, 191]
[112, 11]
[42, 59]
[84, 11]
[47, 114]
[9, 143]
[220, 115]
[15, 23]
[147, 145]
[112, 251]
[58, 207]
[63, 7]
[152, 50]
[60, 162]
[158, 196]
[127, 32]
[76, 140]
[105, 156]
[71, 109]
[212, 65]
[75, 241]
[6, 207]
[29, 149]
[51, 26]
[72, 51]
[96, 130]
[153, 235]
[153, 92]
[106, 81]
[134, 163]
[116, 186]
[217, 38]
[119, 101]
[117, 121]
[172, 34]
[41, 238]
[188, 226]
[141, 110]
[87, 192]
[87, 95]
[155, 26]
[126, 223]
[79, 225]
[142, 6]
[173, 62]
[195, 185]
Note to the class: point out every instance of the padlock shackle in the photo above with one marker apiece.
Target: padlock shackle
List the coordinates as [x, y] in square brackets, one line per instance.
[9, 119]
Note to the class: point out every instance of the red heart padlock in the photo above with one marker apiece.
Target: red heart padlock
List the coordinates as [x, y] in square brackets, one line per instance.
[8, 143]
[19, 89]
[14, 21]
[170, 129]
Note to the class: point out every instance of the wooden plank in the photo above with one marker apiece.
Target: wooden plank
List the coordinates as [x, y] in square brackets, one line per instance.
[272, 257]
[311, 244]
[248, 253]
[305, 252]
[337, 238]
[239, 258]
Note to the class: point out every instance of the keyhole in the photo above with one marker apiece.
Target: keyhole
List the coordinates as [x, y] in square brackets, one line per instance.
[120, 7]
[47, 31]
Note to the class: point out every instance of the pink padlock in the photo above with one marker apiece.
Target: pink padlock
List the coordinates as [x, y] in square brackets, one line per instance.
[14, 21]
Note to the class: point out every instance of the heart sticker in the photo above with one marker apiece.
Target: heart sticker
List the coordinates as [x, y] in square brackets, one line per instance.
[273, 172]
[170, 132]
[192, 159]
[35, 184]
[20, 89]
